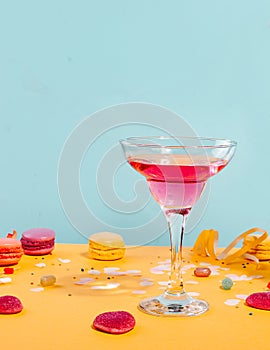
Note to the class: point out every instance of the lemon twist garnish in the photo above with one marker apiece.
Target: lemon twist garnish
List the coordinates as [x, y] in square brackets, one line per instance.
[207, 242]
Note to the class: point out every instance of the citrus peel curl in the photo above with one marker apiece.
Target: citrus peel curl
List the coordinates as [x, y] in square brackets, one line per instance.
[207, 241]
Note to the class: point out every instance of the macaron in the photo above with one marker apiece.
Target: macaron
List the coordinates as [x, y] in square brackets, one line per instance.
[260, 250]
[38, 241]
[106, 246]
[10, 251]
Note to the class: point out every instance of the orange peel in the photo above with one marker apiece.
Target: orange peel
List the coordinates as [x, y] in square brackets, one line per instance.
[207, 241]
[12, 235]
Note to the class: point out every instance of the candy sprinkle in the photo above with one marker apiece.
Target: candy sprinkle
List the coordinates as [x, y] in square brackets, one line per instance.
[139, 291]
[84, 281]
[231, 302]
[146, 282]
[94, 272]
[106, 286]
[8, 270]
[41, 265]
[5, 280]
[37, 290]
[193, 294]
[64, 261]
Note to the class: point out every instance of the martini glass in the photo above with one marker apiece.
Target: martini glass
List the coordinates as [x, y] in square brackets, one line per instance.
[176, 170]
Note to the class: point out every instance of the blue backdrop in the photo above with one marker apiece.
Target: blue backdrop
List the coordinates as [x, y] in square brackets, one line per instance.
[62, 61]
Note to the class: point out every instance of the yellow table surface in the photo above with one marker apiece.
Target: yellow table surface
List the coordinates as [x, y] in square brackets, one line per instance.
[61, 316]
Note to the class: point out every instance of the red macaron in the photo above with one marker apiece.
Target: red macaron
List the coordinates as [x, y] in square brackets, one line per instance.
[38, 241]
[10, 251]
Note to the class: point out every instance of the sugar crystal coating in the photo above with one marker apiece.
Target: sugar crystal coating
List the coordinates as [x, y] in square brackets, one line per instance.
[10, 304]
[114, 322]
[260, 300]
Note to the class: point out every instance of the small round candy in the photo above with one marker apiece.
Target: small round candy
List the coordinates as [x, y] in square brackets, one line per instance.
[227, 283]
[47, 280]
[202, 272]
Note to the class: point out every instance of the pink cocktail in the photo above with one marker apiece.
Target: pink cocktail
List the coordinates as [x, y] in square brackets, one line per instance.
[175, 180]
[176, 170]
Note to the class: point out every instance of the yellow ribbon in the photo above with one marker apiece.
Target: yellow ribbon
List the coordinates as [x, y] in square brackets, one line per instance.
[207, 241]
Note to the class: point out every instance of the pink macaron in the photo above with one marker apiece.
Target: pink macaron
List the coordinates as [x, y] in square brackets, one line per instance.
[38, 241]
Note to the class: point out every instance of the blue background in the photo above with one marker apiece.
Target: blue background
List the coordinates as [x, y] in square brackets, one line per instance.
[64, 60]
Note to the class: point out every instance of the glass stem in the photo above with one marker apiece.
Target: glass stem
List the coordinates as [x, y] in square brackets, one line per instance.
[176, 222]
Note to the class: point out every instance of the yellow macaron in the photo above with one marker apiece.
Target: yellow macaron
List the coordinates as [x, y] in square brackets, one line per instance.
[106, 246]
[261, 250]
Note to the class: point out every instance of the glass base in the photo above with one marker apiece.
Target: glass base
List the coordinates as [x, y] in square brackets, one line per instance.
[164, 306]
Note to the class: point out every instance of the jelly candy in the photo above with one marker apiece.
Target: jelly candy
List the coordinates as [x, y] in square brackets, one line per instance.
[227, 283]
[202, 272]
[47, 280]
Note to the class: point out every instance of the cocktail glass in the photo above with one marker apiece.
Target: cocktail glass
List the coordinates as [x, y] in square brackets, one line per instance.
[176, 170]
